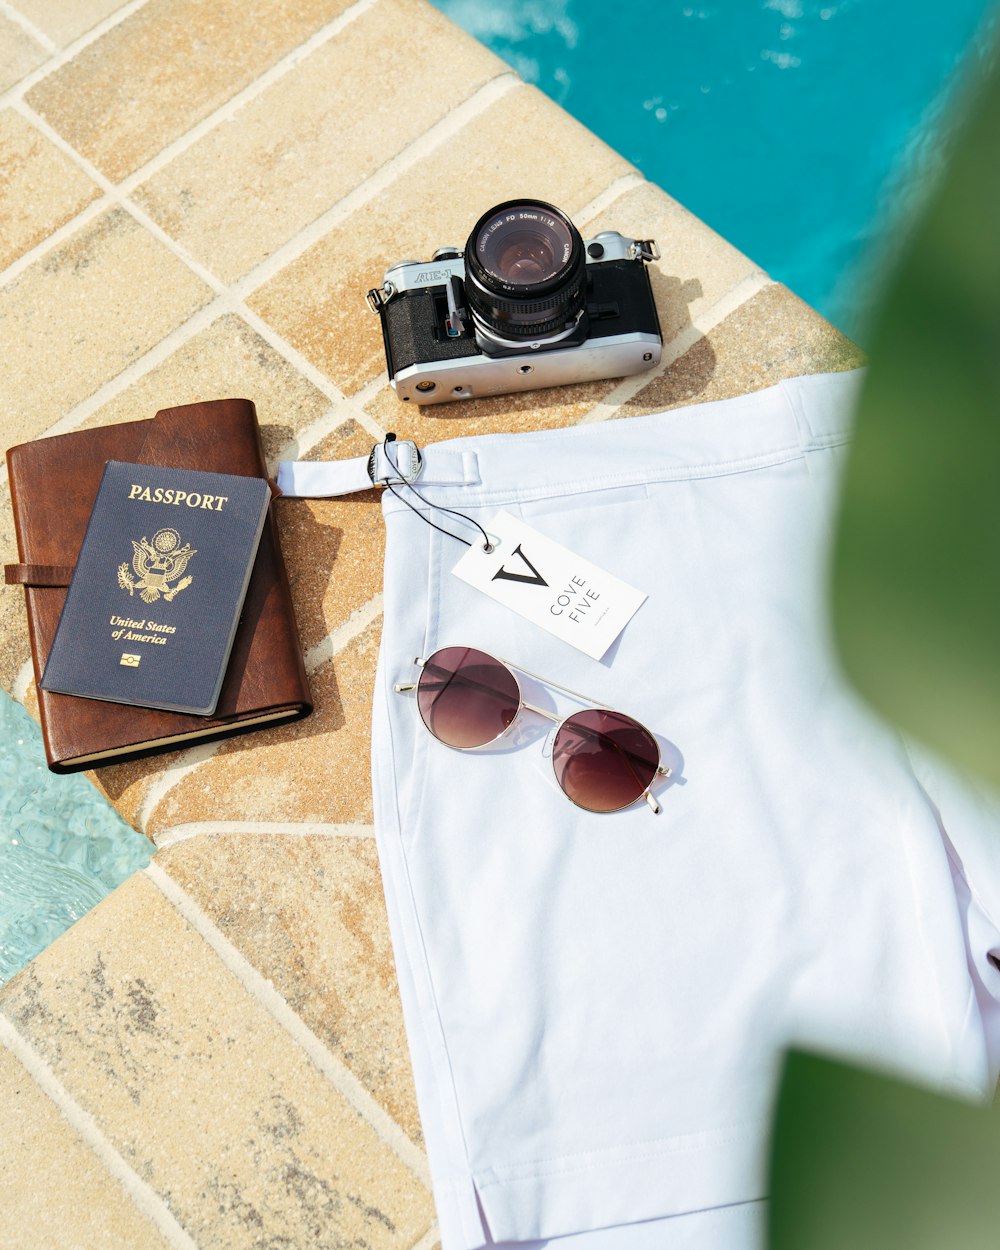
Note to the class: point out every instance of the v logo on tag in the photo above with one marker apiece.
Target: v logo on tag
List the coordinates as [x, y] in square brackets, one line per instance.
[533, 579]
[584, 605]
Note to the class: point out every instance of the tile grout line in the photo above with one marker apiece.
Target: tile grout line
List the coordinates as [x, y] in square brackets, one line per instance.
[352, 409]
[341, 637]
[199, 320]
[256, 985]
[681, 343]
[143, 1196]
[24, 85]
[229, 108]
[323, 652]
[423, 145]
[326, 386]
[263, 828]
[120, 193]
[610, 195]
[28, 26]
[190, 759]
[221, 113]
[59, 236]
[22, 682]
[429, 1239]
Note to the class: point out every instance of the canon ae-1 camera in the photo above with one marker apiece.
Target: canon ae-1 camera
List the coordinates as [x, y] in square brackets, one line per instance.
[528, 303]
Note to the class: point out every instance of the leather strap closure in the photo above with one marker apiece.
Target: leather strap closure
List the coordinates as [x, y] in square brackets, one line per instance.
[37, 574]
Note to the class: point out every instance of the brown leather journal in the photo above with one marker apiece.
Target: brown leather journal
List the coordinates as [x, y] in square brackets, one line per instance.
[53, 483]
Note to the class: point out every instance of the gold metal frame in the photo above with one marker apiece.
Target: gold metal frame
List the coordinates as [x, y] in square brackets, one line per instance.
[559, 721]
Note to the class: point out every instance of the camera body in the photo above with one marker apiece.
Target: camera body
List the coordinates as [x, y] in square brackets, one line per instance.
[527, 304]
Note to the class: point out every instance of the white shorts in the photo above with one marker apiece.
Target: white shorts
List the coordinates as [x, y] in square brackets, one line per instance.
[596, 1005]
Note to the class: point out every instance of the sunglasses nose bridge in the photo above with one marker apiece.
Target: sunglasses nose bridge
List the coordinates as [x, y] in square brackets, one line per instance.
[541, 711]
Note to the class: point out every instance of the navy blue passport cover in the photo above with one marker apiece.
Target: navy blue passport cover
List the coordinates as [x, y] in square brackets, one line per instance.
[156, 595]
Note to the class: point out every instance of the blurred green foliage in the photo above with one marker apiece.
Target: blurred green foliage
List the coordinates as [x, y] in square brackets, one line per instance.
[867, 1162]
[861, 1161]
[916, 579]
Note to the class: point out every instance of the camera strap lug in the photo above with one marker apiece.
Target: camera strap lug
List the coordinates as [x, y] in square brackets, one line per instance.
[644, 249]
[377, 297]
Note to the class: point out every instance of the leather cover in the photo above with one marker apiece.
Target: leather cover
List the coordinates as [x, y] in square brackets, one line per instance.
[54, 482]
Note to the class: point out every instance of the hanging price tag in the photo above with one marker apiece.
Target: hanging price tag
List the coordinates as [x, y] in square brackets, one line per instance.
[550, 585]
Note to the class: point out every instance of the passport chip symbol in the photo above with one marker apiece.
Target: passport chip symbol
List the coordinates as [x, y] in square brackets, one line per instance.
[157, 564]
[130, 661]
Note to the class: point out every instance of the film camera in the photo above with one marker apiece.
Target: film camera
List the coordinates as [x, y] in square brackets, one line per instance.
[528, 303]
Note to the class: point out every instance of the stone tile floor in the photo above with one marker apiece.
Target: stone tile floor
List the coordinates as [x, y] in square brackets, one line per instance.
[194, 197]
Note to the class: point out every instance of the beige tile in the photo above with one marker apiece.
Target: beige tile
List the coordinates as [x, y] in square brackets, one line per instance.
[152, 77]
[301, 146]
[40, 187]
[127, 785]
[31, 700]
[521, 145]
[696, 267]
[14, 647]
[334, 548]
[76, 317]
[317, 769]
[227, 359]
[199, 1089]
[309, 914]
[66, 20]
[19, 53]
[54, 1192]
[771, 337]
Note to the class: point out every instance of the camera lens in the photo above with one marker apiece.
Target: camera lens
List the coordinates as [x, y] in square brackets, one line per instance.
[525, 273]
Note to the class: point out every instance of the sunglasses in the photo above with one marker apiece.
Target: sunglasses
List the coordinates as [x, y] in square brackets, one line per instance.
[603, 760]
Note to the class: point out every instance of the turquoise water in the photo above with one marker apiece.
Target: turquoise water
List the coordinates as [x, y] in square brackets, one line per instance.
[62, 847]
[801, 130]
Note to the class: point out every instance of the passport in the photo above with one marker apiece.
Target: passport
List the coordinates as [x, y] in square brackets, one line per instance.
[156, 595]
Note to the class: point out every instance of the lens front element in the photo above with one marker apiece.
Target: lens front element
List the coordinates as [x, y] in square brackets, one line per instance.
[604, 760]
[523, 245]
[525, 271]
[466, 698]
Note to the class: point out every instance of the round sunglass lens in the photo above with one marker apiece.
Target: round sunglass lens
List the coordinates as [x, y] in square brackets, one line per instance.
[466, 698]
[604, 760]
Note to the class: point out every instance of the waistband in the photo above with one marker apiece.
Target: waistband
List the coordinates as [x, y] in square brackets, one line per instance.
[701, 440]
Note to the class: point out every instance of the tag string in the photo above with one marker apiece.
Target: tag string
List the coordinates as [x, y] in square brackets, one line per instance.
[488, 547]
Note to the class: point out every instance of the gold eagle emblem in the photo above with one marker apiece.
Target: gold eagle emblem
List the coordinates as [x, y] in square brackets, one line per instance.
[157, 564]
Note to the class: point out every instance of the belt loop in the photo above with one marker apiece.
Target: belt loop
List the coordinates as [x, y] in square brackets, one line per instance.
[438, 465]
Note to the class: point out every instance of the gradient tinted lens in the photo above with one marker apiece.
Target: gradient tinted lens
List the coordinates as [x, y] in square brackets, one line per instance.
[466, 698]
[604, 760]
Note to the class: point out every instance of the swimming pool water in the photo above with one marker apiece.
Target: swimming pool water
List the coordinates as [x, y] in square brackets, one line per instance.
[62, 846]
[801, 130]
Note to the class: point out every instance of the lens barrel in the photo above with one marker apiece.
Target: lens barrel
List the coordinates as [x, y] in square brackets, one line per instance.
[525, 272]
